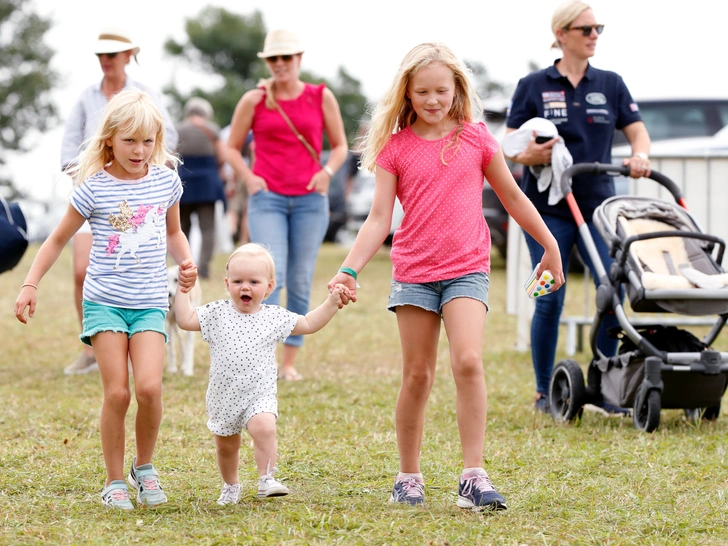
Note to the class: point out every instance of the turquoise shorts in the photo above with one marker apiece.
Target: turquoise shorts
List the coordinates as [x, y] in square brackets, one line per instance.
[104, 318]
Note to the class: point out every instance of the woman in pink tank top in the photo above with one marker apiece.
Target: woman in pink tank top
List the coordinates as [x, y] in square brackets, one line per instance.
[288, 209]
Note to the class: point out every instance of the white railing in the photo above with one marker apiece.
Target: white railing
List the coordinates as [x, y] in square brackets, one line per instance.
[703, 179]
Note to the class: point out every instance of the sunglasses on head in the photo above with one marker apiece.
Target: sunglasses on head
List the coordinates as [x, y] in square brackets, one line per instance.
[274, 58]
[109, 55]
[586, 30]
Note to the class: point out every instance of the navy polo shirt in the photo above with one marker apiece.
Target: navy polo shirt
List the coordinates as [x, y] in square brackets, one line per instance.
[585, 117]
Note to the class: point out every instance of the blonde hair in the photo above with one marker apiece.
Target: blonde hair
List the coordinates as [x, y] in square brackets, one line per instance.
[395, 112]
[253, 251]
[133, 112]
[564, 15]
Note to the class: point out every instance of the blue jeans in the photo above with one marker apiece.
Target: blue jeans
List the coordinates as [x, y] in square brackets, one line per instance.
[292, 228]
[545, 322]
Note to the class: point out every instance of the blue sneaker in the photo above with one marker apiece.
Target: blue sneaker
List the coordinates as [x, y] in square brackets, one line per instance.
[542, 404]
[116, 495]
[146, 481]
[477, 493]
[408, 490]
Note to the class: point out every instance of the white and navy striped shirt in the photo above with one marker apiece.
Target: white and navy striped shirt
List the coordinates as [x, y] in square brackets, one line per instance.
[128, 221]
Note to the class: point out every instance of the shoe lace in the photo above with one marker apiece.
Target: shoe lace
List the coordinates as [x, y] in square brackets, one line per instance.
[268, 476]
[119, 494]
[478, 482]
[413, 487]
[150, 482]
[229, 491]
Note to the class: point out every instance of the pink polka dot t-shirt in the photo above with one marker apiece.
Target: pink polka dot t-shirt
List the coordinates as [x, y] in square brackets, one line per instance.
[443, 234]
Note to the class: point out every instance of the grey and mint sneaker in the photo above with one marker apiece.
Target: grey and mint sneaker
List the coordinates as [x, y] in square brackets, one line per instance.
[477, 493]
[408, 490]
[116, 495]
[230, 494]
[146, 481]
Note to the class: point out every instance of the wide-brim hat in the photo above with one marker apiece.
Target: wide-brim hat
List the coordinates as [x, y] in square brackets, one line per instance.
[115, 40]
[280, 42]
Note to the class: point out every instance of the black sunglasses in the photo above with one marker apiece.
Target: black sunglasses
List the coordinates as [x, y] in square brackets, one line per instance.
[109, 55]
[274, 58]
[586, 30]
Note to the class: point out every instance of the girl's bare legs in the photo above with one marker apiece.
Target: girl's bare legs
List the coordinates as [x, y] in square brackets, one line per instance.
[146, 350]
[419, 333]
[111, 354]
[82, 243]
[464, 320]
[227, 449]
[262, 429]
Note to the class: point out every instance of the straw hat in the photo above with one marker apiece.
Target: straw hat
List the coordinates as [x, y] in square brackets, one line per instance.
[115, 40]
[280, 42]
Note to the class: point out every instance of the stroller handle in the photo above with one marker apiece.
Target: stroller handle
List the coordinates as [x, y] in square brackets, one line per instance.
[616, 170]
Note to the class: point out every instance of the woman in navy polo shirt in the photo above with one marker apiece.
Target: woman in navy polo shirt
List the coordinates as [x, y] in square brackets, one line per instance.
[586, 105]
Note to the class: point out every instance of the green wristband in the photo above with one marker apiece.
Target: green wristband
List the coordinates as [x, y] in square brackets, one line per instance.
[348, 271]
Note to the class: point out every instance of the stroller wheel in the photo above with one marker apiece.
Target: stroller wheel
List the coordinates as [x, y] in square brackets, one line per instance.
[694, 415]
[646, 414]
[567, 391]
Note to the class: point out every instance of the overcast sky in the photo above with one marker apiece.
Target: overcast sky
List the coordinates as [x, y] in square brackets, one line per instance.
[660, 49]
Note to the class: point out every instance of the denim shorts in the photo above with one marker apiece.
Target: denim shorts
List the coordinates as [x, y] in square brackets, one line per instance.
[104, 318]
[431, 296]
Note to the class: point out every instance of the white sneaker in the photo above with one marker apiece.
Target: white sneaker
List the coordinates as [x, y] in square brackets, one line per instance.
[230, 494]
[83, 364]
[270, 487]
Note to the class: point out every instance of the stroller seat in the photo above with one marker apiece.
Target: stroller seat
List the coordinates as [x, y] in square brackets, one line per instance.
[667, 269]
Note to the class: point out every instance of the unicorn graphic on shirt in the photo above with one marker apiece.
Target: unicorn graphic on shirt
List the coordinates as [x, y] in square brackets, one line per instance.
[136, 229]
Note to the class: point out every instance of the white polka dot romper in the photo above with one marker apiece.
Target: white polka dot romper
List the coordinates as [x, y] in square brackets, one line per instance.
[243, 369]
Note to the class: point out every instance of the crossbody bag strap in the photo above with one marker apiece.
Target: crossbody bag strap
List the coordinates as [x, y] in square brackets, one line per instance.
[299, 136]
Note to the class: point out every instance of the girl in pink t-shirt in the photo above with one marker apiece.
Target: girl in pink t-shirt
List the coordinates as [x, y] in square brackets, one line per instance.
[426, 149]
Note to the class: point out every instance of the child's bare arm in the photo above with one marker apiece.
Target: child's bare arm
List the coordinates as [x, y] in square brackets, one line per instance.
[187, 318]
[320, 317]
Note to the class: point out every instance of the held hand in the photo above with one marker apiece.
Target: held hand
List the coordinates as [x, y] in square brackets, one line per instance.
[187, 275]
[26, 300]
[537, 154]
[255, 184]
[348, 282]
[320, 182]
[638, 167]
[337, 294]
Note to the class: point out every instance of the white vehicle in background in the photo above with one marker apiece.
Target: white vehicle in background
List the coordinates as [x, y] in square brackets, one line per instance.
[360, 203]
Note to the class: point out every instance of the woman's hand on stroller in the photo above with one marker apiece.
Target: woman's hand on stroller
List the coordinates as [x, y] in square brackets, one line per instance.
[639, 165]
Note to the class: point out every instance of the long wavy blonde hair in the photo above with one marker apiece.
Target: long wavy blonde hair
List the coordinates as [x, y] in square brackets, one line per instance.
[395, 112]
[132, 112]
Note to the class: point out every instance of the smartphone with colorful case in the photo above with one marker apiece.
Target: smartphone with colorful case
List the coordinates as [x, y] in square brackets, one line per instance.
[541, 286]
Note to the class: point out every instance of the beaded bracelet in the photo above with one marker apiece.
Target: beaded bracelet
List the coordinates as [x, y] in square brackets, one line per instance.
[348, 271]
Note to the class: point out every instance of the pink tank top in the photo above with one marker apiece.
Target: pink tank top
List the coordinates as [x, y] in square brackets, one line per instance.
[280, 158]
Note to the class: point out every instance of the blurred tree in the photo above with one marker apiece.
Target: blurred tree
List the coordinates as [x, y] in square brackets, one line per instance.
[484, 85]
[25, 79]
[226, 45]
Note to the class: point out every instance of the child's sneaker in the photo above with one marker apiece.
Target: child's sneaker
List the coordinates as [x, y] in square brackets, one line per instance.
[476, 492]
[230, 494]
[116, 495]
[270, 487]
[146, 481]
[408, 490]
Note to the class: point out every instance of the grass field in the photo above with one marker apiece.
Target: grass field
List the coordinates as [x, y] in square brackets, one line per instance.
[595, 482]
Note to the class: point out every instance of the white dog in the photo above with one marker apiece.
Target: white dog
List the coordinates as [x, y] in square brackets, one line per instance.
[176, 335]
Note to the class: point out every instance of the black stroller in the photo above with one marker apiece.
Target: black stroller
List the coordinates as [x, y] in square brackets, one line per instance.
[664, 263]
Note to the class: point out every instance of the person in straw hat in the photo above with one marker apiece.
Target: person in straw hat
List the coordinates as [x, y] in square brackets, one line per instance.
[288, 209]
[114, 49]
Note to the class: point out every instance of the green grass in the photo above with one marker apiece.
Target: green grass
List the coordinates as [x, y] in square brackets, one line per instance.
[595, 482]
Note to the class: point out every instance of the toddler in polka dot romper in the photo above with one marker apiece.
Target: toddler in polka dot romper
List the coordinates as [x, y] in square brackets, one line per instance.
[243, 333]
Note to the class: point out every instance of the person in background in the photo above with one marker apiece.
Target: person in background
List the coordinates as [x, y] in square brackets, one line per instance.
[202, 153]
[427, 148]
[114, 49]
[586, 104]
[235, 192]
[288, 209]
